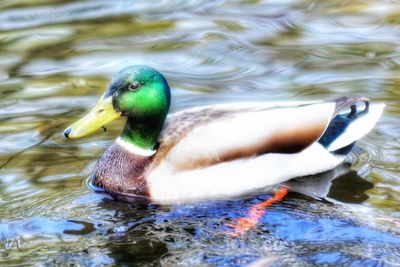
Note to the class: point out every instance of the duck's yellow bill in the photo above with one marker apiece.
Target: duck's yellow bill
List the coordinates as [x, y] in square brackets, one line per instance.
[99, 116]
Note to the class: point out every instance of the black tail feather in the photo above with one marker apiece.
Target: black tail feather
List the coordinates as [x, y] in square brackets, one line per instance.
[340, 122]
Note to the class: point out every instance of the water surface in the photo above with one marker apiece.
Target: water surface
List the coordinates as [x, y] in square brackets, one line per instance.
[56, 58]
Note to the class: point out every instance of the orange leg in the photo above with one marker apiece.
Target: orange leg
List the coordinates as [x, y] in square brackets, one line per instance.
[242, 225]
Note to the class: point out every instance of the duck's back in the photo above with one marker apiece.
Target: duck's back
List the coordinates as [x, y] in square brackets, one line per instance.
[217, 151]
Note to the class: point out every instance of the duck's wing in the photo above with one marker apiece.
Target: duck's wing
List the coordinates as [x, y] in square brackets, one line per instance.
[200, 137]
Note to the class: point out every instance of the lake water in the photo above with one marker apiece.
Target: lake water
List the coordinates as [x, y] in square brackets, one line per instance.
[56, 58]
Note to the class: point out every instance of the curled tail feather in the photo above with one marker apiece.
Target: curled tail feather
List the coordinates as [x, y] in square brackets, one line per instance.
[347, 127]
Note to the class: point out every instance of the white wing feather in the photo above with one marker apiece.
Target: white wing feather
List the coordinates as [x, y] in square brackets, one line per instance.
[245, 129]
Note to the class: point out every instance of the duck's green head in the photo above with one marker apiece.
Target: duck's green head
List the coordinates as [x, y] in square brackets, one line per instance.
[138, 92]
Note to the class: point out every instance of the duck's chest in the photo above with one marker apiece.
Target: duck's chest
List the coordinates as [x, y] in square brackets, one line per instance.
[119, 171]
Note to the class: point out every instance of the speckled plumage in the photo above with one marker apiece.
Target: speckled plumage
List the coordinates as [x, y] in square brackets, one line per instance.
[119, 171]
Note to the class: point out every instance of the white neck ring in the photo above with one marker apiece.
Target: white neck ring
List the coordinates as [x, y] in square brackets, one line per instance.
[135, 149]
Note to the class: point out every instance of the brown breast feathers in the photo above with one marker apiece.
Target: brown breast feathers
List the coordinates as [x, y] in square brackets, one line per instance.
[121, 172]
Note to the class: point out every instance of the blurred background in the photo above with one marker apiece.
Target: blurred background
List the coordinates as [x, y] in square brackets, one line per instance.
[56, 59]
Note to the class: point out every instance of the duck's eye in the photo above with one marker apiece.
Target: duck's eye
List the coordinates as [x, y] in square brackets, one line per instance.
[134, 86]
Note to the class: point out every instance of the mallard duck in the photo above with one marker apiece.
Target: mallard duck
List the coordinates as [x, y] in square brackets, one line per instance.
[217, 151]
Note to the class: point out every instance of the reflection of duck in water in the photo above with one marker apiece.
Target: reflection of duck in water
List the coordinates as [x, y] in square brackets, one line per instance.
[340, 184]
[215, 151]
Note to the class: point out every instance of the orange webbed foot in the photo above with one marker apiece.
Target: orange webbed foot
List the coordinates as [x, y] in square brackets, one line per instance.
[244, 224]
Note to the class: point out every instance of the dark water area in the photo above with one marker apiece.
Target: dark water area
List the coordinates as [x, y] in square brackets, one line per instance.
[57, 57]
